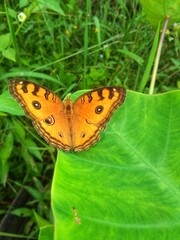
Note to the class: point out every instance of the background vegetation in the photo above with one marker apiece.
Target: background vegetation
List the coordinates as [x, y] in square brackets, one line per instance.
[67, 46]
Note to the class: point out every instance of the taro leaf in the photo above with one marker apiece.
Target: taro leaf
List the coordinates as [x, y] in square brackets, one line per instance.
[128, 185]
[157, 11]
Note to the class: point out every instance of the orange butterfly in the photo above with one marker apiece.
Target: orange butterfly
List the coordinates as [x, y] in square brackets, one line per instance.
[67, 125]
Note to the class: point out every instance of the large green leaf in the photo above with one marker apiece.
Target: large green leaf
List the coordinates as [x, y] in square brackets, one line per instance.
[126, 186]
[157, 11]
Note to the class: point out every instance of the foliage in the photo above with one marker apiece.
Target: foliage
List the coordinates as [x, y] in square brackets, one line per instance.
[68, 46]
[156, 11]
[131, 189]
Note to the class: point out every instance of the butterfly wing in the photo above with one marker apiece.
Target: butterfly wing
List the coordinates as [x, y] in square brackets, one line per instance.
[65, 125]
[92, 111]
[46, 111]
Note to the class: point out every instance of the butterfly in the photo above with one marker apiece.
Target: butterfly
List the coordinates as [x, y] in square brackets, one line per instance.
[67, 125]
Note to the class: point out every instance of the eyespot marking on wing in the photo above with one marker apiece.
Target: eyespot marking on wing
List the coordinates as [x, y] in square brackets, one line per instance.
[99, 109]
[50, 120]
[36, 104]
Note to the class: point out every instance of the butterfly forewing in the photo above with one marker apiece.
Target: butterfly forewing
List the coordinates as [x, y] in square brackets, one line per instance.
[38, 102]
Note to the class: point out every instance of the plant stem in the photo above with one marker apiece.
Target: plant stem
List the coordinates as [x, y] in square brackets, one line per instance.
[154, 74]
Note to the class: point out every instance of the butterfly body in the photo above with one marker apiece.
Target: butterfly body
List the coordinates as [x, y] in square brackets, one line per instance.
[67, 125]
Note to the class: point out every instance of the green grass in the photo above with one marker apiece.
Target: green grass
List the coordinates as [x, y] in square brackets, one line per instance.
[68, 47]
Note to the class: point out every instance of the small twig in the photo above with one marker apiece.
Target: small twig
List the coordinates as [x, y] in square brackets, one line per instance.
[154, 73]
